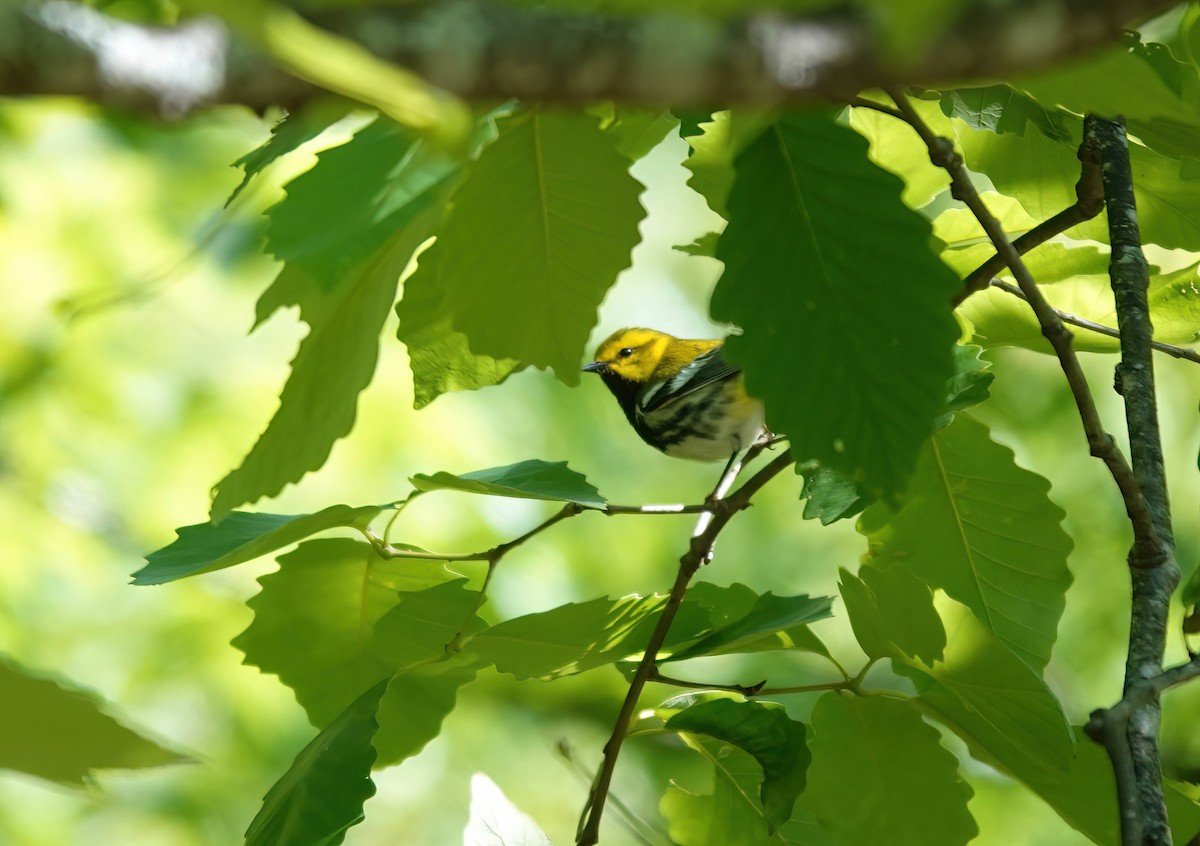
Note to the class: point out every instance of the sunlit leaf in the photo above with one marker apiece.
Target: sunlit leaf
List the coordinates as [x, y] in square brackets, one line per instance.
[292, 131]
[540, 228]
[495, 821]
[850, 361]
[353, 200]
[577, 637]
[533, 479]
[242, 536]
[1042, 173]
[314, 620]
[639, 130]
[879, 774]
[334, 363]
[1117, 81]
[440, 357]
[770, 614]
[59, 732]
[322, 794]
[764, 730]
[896, 147]
[1001, 108]
[982, 529]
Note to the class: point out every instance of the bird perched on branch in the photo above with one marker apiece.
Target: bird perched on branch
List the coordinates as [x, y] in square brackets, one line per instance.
[679, 395]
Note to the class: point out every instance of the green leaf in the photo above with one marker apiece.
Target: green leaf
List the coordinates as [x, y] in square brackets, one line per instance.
[764, 730]
[417, 700]
[347, 229]
[1001, 108]
[418, 628]
[1116, 81]
[495, 821]
[533, 479]
[891, 612]
[994, 701]
[1174, 306]
[728, 815]
[970, 382]
[574, 638]
[727, 607]
[829, 496]
[770, 615]
[332, 366]
[293, 130]
[314, 620]
[983, 530]
[705, 245]
[850, 362]
[322, 793]
[711, 161]
[1041, 174]
[241, 536]
[56, 731]
[539, 230]
[638, 130]
[896, 147]
[1075, 279]
[440, 358]
[353, 200]
[880, 775]
[714, 147]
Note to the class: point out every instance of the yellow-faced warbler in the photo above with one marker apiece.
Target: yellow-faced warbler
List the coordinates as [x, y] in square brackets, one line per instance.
[681, 396]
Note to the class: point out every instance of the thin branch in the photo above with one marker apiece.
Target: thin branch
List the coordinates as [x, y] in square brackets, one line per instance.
[1099, 328]
[1100, 442]
[1089, 202]
[743, 689]
[492, 556]
[806, 688]
[385, 550]
[883, 108]
[721, 510]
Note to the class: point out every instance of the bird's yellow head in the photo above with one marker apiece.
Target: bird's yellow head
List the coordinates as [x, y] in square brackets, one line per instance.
[630, 354]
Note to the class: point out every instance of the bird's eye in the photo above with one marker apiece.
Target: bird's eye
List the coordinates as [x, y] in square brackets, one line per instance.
[625, 353]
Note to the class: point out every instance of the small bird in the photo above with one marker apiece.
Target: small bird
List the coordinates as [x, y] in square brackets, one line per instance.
[679, 395]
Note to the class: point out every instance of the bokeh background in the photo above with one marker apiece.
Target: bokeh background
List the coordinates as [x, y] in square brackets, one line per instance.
[129, 386]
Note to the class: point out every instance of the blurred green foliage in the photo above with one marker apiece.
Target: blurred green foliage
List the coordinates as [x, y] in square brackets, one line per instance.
[128, 387]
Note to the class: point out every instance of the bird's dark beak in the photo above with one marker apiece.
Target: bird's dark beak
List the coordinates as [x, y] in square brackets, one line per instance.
[595, 367]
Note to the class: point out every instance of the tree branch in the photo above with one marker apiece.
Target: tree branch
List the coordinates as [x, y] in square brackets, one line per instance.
[721, 510]
[487, 51]
[1131, 729]
[1100, 442]
[1099, 328]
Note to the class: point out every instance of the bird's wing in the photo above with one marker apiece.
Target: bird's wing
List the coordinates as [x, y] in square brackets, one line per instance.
[703, 370]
